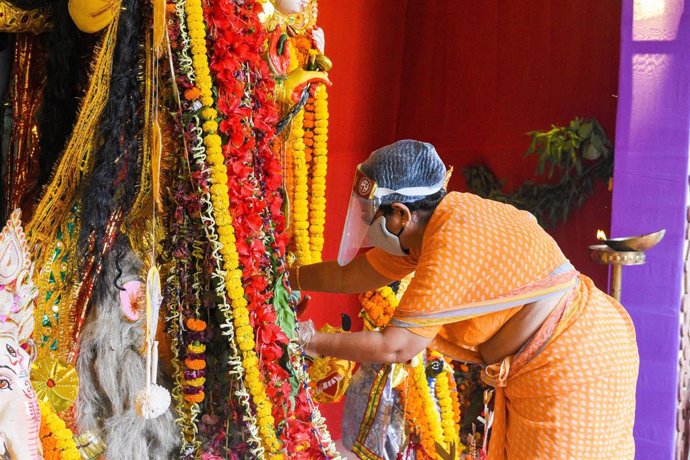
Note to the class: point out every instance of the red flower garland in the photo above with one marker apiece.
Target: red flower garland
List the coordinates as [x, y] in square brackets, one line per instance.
[249, 114]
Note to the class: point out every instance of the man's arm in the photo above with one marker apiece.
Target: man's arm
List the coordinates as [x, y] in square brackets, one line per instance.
[392, 345]
[355, 277]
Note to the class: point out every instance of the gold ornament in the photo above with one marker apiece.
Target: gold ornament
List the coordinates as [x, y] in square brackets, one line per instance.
[55, 382]
[16, 20]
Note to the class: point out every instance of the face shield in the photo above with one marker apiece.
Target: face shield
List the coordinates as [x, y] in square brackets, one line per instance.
[365, 200]
[360, 212]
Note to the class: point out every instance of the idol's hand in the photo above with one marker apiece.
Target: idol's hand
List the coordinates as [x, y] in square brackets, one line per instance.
[319, 39]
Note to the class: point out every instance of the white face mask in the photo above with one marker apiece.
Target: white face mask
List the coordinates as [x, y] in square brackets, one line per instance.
[378, 236]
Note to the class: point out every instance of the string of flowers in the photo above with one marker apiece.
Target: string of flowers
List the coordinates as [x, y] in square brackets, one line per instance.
[455, 398]
[308, 126]
[186, 238]
[444, 396]
[56, 438]
[249, 114]
[317, 203]
[300, 212]
[237, 151]
[289, 180]
[195, 362]
[378, 306]
[219, 230]
[420, 412]
[289, 167]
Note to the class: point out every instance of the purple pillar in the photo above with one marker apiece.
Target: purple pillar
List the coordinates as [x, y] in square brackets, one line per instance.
[650, 193]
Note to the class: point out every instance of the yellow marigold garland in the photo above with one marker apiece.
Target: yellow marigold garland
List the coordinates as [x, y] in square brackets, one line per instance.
[300, 211]
[317, 203]
[420, 409]
[57, 440]
[244, 334]
[421, 416]
[455, 399]
[444, 396]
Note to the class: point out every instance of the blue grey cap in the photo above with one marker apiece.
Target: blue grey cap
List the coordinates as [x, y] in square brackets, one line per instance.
[402, 165]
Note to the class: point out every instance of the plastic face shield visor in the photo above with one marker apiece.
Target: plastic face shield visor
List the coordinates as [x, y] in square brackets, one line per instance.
[364, 202]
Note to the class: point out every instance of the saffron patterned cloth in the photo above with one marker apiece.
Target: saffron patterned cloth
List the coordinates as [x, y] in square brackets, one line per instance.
[571, 391]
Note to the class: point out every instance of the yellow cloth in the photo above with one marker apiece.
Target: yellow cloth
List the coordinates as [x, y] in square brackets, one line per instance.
[480, 262]
[92, 16]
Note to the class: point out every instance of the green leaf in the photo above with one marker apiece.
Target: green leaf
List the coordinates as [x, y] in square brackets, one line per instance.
[294, 388]
[585, 129]
[285, 315]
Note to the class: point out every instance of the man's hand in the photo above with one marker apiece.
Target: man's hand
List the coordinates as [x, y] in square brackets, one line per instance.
[392, 345]
[302, 305]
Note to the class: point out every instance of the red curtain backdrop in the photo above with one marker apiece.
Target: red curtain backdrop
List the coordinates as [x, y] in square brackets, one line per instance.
[471, 77]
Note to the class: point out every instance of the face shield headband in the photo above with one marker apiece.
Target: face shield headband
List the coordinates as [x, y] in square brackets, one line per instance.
[365, 200]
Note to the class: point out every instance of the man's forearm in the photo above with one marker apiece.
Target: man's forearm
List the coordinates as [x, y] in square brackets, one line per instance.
[392, 345]
[357, 276]
[363, 347]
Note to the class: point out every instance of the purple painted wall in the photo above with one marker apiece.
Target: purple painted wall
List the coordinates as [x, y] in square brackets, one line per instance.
[650, 192]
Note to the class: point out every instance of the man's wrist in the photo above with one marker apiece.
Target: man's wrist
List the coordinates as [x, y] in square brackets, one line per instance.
[314, 344]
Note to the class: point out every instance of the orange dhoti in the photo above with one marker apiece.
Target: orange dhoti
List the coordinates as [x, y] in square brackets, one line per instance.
[576, 398]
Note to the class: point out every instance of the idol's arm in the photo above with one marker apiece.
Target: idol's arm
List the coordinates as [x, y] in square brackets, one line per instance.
[392, 345]
[355, 277]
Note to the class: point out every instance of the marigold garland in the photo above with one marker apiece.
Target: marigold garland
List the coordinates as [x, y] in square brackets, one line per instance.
[420, 410]
[378, 306]
[56, 438]
[182, 328]
[244, 335]
[455, 399]
[444, 396]
[317, 195]
[300, 211]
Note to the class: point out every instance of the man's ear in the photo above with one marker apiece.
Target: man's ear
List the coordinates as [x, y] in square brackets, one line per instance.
[403, 212]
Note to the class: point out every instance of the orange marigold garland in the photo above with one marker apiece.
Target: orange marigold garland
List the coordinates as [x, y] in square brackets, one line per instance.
[378, 307]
